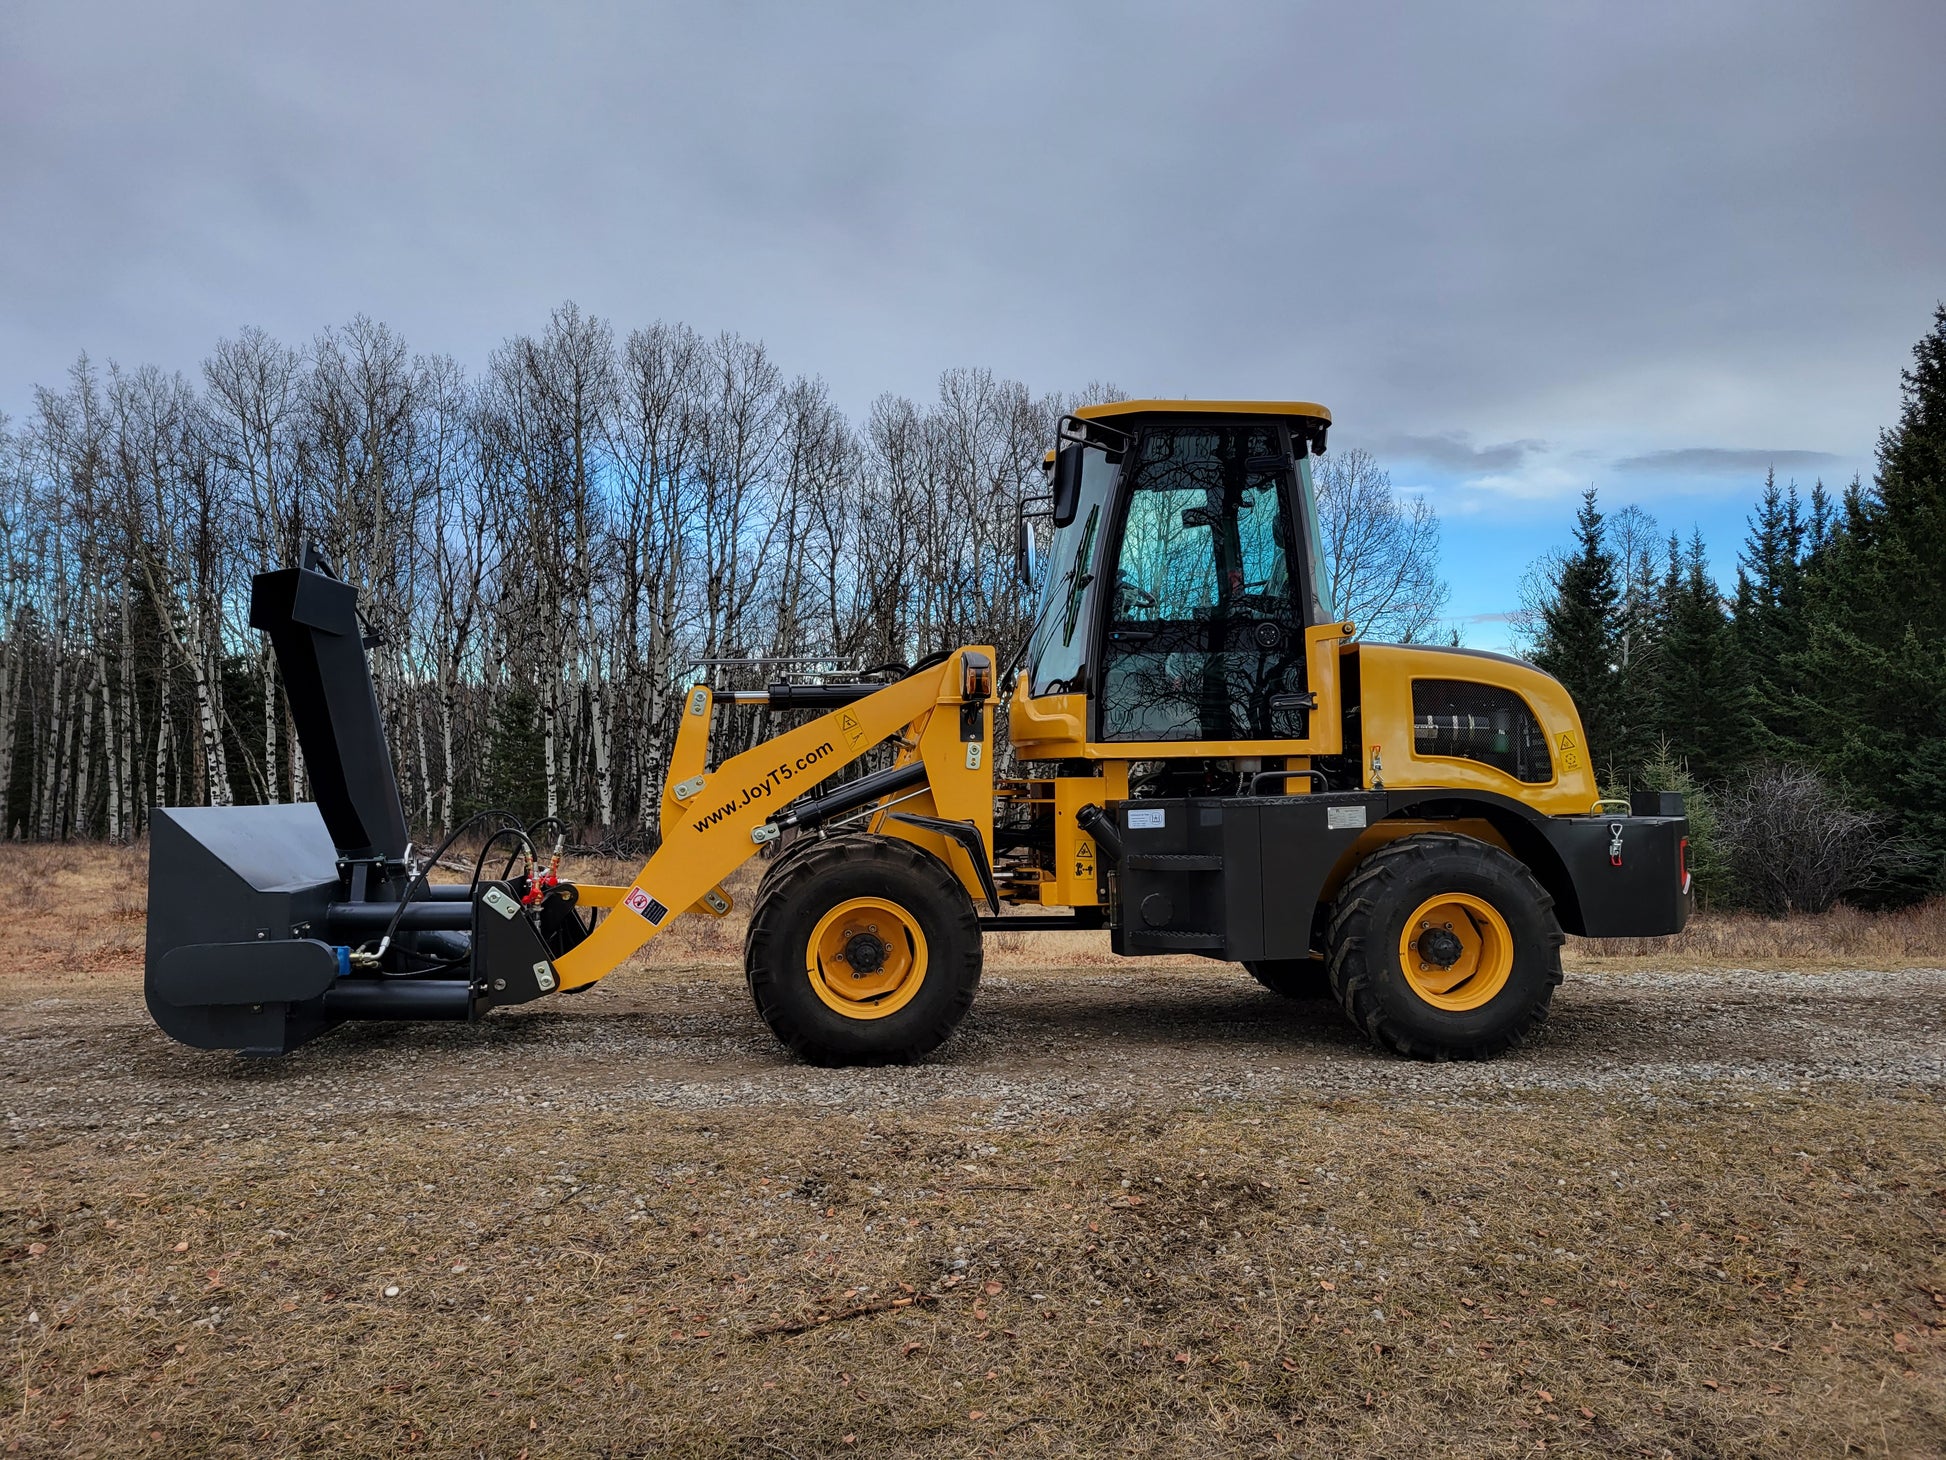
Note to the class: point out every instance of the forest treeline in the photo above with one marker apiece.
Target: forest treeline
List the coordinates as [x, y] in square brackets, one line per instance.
[552, 550]
[1804, 713]
[550, 553]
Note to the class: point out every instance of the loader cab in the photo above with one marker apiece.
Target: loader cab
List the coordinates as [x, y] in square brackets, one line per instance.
[1185, 608]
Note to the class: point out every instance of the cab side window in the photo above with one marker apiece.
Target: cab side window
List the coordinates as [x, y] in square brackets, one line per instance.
[1202, 636]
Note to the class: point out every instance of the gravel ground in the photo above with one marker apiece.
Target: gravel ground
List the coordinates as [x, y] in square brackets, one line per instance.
[1131, 1208]
[1038, 1042]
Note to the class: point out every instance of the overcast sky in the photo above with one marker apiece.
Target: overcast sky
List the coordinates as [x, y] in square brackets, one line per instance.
[1517, 250]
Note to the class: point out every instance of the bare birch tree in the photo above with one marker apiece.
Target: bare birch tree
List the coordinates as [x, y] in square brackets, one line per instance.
[582, 528]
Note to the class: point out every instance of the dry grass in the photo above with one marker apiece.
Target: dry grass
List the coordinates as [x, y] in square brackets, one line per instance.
[73, 910]
[1845, 937]
[78, 909]
[1659, 1278]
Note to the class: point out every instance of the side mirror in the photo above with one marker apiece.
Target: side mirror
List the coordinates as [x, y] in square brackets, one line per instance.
[1067, 482]
[1023, 549]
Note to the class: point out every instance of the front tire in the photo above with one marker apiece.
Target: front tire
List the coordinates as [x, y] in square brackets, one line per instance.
[862, 950]
[1443, 947]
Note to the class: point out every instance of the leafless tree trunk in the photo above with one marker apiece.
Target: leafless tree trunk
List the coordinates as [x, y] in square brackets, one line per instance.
[1382, 548]
[251, 403]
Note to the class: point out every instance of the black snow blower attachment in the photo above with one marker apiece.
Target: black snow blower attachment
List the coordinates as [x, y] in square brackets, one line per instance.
[270, 925]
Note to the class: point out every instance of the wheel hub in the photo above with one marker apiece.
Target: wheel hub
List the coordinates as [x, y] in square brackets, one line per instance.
[1439, 947]
[866, 958]
[865, 952]
[1456, 951]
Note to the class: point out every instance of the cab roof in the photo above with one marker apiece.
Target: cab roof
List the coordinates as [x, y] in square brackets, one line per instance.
[1108, 410]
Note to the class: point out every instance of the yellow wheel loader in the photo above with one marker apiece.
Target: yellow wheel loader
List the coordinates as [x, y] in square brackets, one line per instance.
[1204, 760]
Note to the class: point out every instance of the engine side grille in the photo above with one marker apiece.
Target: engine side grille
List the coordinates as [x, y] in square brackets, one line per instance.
[1480, 722]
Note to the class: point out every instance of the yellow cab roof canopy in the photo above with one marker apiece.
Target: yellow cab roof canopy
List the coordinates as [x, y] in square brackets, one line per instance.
[1309, 420]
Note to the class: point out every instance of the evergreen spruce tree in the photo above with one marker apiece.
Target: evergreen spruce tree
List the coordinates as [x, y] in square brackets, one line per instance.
[1704, 692]
[1874, 666]
[1817, 532]
[1770, 627]
[1635, 688]
[514, 778]
[1579, 631]
[1675, 691]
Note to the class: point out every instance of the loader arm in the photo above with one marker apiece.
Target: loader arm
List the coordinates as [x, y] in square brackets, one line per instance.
[716, 820]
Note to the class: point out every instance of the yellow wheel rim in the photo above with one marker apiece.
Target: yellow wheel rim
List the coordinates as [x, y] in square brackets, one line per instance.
[866, 958]
[1456, 951]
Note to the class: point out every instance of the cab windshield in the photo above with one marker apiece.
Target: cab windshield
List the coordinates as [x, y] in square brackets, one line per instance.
[1057, 651]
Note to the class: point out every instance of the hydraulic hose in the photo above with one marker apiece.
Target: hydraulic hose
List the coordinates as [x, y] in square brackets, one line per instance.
[419, 878]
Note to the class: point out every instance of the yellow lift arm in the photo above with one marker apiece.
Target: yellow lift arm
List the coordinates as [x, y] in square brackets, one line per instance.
[713, 821]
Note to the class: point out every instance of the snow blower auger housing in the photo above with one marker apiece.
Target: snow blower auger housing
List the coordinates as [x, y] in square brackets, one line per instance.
[1211, 764]
[269, 925]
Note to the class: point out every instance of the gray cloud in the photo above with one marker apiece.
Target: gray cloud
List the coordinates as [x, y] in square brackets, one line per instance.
[1718, 461]
[1567, 225]
[1454, 451]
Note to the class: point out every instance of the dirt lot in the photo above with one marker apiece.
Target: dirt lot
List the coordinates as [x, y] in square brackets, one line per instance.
[1131, 1209]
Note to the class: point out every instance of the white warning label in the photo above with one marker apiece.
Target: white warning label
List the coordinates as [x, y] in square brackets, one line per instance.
[645, 907]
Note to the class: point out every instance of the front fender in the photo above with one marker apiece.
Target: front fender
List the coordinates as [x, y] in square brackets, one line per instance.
[1645, 894]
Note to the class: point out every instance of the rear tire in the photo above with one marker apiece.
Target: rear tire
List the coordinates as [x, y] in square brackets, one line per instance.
[1292, 978]
[1443, 947]
[862, 950]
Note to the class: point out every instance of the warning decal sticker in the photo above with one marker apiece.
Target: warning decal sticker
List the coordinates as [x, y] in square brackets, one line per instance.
[852, 730]
[1570, 756]
[644, 906]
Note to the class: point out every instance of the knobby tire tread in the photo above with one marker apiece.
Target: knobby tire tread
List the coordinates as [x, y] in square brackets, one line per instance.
[1366, 895]
[768, 953]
